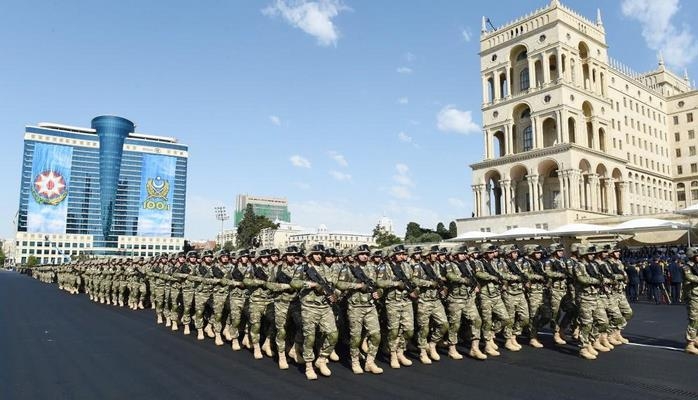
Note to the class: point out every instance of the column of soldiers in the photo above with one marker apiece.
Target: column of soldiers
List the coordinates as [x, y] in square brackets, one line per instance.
[298, 304]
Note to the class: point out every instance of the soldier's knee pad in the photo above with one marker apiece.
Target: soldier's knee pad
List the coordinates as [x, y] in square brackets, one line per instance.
[355, 341]
[408, 333]
[332, 337]
[628, 315]
[393, 334]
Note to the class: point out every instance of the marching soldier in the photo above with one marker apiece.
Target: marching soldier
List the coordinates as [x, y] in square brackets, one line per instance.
[219, 295]
[237, 298]
[358, 281]
[619, 297]
[555, 270]
[189, 284]
[260, 300]
[690, 278]
[592, 313]
[514, 297]
[203, 276]
[286, 313]
[538, 304]
[490, 297]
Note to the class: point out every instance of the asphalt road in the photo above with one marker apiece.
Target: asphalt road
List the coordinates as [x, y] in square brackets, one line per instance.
[59, 346]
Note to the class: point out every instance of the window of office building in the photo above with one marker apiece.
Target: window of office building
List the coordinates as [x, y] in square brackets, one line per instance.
[676, 119]
[678, 153]
[691, 150]
[694, 168]
[689, 117]
[677, 136]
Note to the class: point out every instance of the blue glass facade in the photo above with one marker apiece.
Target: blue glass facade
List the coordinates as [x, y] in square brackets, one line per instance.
[105, 185]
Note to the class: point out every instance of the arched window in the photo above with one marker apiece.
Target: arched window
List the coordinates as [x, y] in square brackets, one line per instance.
[522, 56]
[528, 138]
[523, 78]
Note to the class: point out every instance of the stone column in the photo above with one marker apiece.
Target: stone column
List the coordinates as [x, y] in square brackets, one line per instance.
[485, 91]
[537, 133]
[558, 55]
[594, 192]
[565, 136]
[508, 145]
[559, 124]
[505, 184]
[575, 193]
[497, 87]
[623, 193]
[476, 200]
[510, 85]
[484, 200]
[512, 205]
[488, 144]
[540, 192]
[533, 191]
[564, 189]
[546, 69]
[611, 196]
[531, 72]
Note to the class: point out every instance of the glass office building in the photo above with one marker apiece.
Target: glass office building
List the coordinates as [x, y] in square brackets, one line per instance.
[274, 208]
[104, 190]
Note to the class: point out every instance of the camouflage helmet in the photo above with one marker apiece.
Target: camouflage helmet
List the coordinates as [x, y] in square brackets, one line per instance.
[331, 252]
[264, 253]
[583, 250]
[488, 248]
[363, 249]
[377, 253]
[556, 247]
[275, 252]
[317, 248]
[692, 252]
[244, 253]
[291, 250]
[222, 253]
[192, 254]
[473, 250]
[575, 247]
[462, 249]
[508, 249]
[398, 249]
[533, 248]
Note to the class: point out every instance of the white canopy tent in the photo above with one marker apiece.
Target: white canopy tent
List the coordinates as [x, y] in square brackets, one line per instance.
[521, 233]
[647, 225]
[690, 211]
[471, 236]
[579, 230]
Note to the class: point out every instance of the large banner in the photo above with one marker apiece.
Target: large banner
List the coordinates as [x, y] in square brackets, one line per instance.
[48, 204]
[157, 186]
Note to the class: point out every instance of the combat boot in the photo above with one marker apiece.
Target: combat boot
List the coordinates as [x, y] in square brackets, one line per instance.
[394, 363]
[121, 303]
[246, 341]
[266, 347]
[321, 365]
[490, 348]
[510, 345]
[585, 354]
[226, 334]
[453, 352]
[372, 367]
[604, 341]
[691, 348]
[140, 305]
[403, 360]
[424, 357]
[592, 350]
[219, 339]
[310, 371]
[613, 339]
[535, 343]
[168, 322]
[199, 334]
[516, 343]
[209, 331]
[174, 325]
[186, 329]
[235, 345]
[364, 345]
[297, 353]
[355, 366]
[475, 351]
[334, 356]
[557, 338]
[283, 364]
[433, 354]
[257, 352]
[600, 347]
[159, 321]
[622, 338]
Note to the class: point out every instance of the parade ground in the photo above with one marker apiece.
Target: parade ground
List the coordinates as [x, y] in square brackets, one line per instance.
[54, 345]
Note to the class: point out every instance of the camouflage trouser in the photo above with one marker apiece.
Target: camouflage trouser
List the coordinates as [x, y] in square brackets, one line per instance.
[236, 306]
[175, 294]
[592, 319]
[400, 317]
[360, 317]
[493, 306]
[187, 300]
[259, 309]
[201, 298]
[539, 311]
[133, 292]
[692, 308]
[619, 299]
[615, 318]
[517, 308]
[556, 297]
[159, 298]
[105, 289]
[313, 318]
[119, 290]
[428, 310]
[457, 310]
[219, 298]
[285, 314]
[95, 289]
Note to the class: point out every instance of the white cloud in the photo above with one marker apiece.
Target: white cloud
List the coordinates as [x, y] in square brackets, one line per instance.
[403, 100]
[402, 169]
[338, 158]
[299, 161]
[340, 176]
[302, 185]
[400, 192]
[450, 119]
[337, 216]
[467, 36]
[275, 120]
[312, 17]
[404, 70]
[409, 57]
[404, 137]
[402, 189]
[678, 44]
[458, 203]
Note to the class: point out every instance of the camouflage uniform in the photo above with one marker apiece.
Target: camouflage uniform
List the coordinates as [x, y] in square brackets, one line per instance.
[260, 299]
[286, 307]
[219, 296]
[490, 298]
[514, 298]
[237, 299]
[426, 276]
[592, 312]
[690, 278]
[555, 270]
[538, 299]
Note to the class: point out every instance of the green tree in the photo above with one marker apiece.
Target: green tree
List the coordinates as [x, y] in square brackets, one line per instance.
[428, 237]
[32, 262]
[228, 246]
[2, 257]
[413, 230]
[250, 226]
[384, 238]
[441, 230]
[452, 229]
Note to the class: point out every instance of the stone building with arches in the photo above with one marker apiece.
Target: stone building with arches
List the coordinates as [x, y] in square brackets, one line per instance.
[570, 134]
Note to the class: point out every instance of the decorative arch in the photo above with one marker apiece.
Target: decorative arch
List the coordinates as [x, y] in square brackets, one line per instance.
[494, 192]
[520, 76]
[549, 132]
[522, 129]
[521, 199]
[550, 195]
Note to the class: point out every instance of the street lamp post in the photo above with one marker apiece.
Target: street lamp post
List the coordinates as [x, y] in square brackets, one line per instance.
[221, 215]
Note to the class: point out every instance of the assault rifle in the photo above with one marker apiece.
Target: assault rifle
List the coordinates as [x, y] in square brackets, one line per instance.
[492, 271]
[283, 277]
[400, 275]
[236, 274]
[465, 272]
[217, 272]
[363, 278]
[327, 289]
[432, 276]
[595, 273]
[259, 273]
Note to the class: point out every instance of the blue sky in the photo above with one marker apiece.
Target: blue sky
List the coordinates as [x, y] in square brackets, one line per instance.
[352, 110]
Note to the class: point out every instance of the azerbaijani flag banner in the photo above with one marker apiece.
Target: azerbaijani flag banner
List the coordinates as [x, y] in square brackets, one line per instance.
[48, 204]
